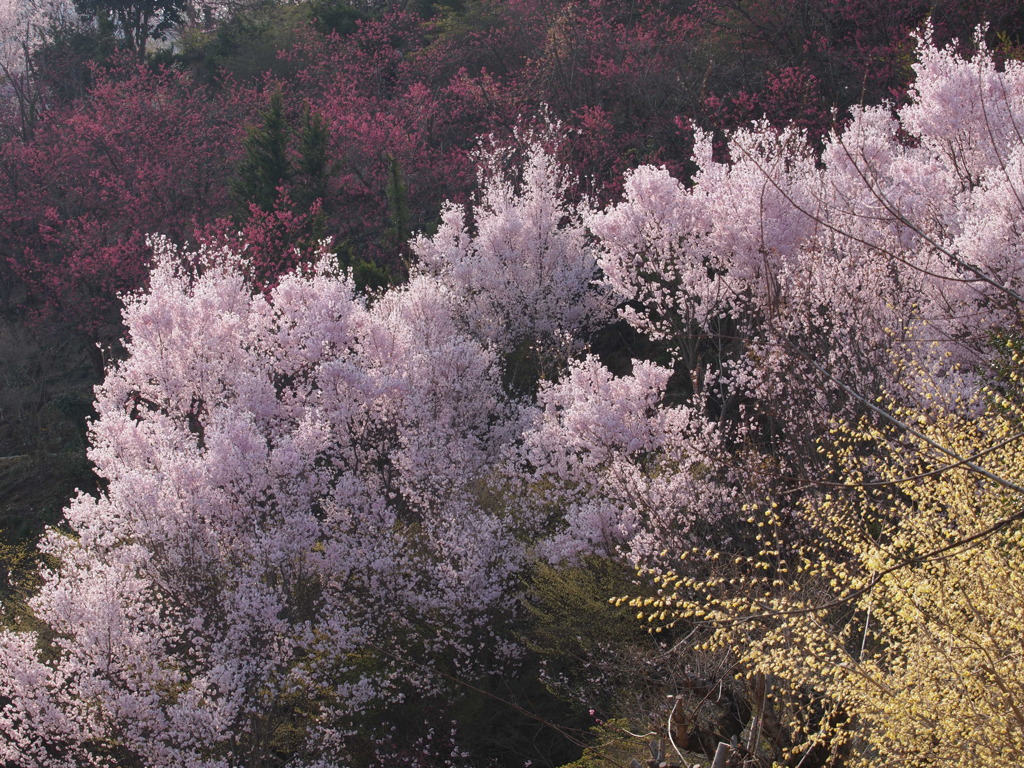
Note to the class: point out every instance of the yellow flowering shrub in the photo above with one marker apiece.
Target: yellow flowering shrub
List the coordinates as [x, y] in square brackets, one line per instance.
[886, 606]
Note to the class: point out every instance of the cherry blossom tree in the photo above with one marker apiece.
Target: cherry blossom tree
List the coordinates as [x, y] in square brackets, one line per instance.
[786, 289]
[883, 281]
[785, 262]
[288, 523]
[619, 473]
[23, 27]
[520, 268]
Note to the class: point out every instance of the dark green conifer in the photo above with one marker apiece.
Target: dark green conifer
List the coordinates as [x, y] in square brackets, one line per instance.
[313, 166]
[265, 166]
[398, 205]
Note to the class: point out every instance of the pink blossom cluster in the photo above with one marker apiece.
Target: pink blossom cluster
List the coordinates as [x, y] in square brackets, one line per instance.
[289, 485]
[527, 273]
[623, 473]
[805, 271]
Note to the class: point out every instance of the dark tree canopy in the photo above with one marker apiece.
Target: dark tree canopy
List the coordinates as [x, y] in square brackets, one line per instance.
[135, 21]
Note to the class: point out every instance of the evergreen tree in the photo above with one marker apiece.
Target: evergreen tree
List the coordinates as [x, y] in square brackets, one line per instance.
[313, 168]
[398, 206]
[266, 166]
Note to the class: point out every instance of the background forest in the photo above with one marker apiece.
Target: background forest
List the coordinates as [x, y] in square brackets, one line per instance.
[511, 382]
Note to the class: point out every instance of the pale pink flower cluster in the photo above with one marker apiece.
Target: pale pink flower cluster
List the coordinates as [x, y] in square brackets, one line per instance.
[520, 268]
[804, 272]
[626, 474]
[288, 483]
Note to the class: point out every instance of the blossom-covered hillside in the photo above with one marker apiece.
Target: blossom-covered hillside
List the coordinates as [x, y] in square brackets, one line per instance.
[438, 427]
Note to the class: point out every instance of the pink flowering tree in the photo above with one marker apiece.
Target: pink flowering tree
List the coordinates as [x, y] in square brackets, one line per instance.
[620, 473]
[289, 541]
[519, 268]
[790, 291]
[785, 289]
[784, 279]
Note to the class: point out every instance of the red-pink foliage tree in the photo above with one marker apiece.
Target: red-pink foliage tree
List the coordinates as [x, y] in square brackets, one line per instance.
[274, 242]
[801, 60]
[384, 121]
[145, 152]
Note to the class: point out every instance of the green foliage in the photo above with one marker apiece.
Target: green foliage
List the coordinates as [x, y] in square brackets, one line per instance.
[368, 276]
[521, 372]
[246, 45]
[266, 166]
[35, 488]
[397, 192]
[335, 16]
[135, 21]
[589, 645]
[570, 608]
[611, 747]
[398, 207]
[19, 579]
[1009, 46]
[45, 398]
[458, 19]
[63, 59]
[270, 164]
[512, 720]
[313, 168]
